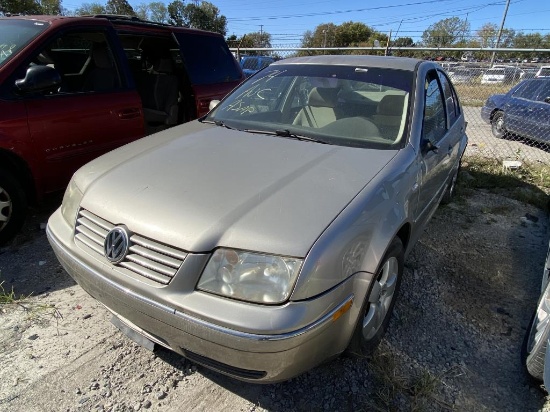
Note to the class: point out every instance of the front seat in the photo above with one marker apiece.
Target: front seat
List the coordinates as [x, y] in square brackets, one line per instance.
[321, 108]
[389, 115]
[160, 98]
[102, 77]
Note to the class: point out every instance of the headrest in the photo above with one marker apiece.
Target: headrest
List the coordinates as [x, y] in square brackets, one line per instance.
[391, 105]
[101, 57]
[163, 65]
[323, 97]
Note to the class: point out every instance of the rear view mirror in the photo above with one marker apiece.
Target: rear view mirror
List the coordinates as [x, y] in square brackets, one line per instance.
[38, 79]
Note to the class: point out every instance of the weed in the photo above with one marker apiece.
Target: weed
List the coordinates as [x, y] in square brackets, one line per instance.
[529, 184]
[419, 391]
[37, 313]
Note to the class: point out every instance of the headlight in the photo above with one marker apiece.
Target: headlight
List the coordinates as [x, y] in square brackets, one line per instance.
[250, 276]
[71, 201]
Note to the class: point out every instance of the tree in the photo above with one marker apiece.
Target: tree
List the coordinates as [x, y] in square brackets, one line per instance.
[445, 33]
[158, 12]
[351, 34]
[154, 11]
[90, 9]
[51, 7]
[205, 16]
[488, 33]
[121, 7]
[175, 12]
[20, 7]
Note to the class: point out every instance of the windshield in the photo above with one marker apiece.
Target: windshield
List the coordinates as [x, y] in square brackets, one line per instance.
[16, 34]
[341, 105]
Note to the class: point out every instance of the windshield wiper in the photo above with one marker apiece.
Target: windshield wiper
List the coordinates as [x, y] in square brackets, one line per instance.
[288, 133]
[285, 133]
[217, 123]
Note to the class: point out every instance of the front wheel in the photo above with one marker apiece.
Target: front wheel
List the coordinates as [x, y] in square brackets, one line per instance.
[497, 125]
[378, 305]
[13, 206]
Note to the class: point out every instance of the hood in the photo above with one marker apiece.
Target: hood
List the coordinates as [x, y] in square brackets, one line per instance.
[215, 187]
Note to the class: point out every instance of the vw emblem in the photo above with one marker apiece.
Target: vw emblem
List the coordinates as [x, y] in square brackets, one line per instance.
[116, 245]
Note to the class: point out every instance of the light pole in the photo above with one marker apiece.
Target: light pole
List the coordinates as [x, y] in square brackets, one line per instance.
[325, 40]
[500, 32]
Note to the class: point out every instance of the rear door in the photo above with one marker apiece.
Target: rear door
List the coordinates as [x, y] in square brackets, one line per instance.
[94, 111]
[518, 116]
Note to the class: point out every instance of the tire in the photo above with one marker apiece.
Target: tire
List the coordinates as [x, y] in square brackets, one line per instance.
[497, 125]
[536, 340]
[13, 206]
[451, 188]
[378, 306]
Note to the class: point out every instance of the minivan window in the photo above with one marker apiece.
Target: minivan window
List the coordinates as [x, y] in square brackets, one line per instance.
[208, 59]
[15, 35]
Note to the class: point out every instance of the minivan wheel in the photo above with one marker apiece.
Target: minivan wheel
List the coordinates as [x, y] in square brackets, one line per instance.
[378, 305]
[497, 125]
[13, 206]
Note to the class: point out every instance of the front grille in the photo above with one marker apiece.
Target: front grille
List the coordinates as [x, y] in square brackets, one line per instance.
[147, 258]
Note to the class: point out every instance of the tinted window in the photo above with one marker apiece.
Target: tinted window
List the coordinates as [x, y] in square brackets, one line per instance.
[16, 34]
[207, 59]
[450, 98]
[434, 123]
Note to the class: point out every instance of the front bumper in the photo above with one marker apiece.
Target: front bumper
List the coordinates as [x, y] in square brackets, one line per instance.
[314, 330]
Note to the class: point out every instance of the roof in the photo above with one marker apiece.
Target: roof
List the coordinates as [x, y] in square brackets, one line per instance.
[387, 62]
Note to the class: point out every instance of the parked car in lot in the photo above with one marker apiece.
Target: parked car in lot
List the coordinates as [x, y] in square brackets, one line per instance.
[269, 235]
[501, 75]
[543, 71]
[535, 350]
[73, 88]
[523, 111]
[253, 64]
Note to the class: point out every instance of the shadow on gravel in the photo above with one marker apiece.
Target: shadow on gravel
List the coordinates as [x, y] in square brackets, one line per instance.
[27, 263]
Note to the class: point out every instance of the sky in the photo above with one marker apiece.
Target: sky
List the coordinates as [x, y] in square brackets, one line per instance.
[287, 20]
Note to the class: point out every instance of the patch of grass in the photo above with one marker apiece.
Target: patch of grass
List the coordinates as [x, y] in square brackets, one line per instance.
[8, 297]
[418, 391]
[529, 183]
[37, 313]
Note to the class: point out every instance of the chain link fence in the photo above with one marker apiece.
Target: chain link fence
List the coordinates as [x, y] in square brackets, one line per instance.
[508, 117]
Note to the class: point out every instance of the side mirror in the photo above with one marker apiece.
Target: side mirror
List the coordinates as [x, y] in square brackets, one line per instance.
[39, 79]
[547, 99]
[213, 104]
[429, 146]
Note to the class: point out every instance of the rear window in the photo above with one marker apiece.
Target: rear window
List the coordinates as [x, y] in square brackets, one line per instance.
[15, 35]
[208, 59]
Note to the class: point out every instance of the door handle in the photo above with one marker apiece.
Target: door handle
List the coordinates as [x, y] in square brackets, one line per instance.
[131, 113]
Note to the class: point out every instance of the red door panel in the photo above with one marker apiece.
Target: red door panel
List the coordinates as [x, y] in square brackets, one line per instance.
[70, 130]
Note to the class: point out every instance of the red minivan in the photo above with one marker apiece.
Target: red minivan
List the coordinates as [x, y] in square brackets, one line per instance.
[73, 88]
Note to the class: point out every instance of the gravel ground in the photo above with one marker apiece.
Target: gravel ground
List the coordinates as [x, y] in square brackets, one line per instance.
[469, 288]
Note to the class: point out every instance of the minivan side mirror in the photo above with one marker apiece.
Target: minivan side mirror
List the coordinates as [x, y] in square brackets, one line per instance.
[547, 99]
[39, 78]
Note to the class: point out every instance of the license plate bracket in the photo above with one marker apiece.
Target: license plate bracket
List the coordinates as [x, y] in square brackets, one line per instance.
[133, 334]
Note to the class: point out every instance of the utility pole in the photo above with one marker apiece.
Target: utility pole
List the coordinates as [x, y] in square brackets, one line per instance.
[500, 32]
[325, 41]
[261, 29]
